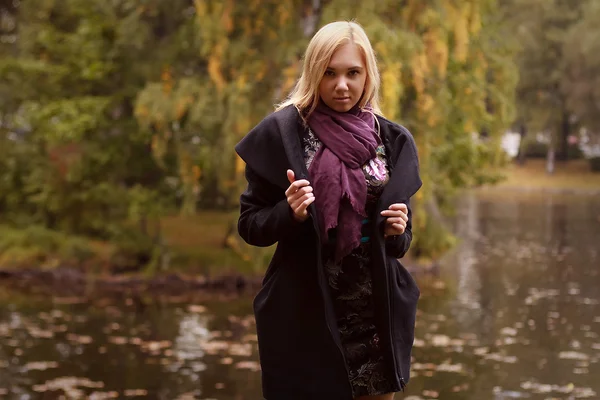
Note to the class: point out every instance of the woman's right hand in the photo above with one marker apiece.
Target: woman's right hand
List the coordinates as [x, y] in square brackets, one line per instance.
[299, 196]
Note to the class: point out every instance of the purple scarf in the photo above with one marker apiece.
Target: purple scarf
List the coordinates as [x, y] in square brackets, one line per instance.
[348, 142]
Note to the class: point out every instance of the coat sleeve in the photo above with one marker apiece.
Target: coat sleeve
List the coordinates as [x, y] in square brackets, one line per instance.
[406, 152]
[265, 215]
[397, 246]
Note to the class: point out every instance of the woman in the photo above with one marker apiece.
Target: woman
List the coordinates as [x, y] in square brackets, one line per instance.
[329, 181]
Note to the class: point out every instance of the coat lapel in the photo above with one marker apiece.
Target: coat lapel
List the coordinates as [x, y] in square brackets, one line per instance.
[289, 124]
[289, 128]
[404, 180]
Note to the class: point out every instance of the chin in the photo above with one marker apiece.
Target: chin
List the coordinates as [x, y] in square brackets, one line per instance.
[340, 107]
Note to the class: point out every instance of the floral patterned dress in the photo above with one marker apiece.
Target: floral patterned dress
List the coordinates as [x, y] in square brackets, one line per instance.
[351, 288]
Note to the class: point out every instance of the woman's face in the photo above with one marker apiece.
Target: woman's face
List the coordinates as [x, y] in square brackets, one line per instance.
[344, 81]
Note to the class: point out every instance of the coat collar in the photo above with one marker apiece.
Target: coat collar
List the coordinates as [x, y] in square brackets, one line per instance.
[290, 123]
[404, 181]
[274, 146]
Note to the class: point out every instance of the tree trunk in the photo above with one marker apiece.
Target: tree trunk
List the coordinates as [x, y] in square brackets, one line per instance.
[311, 17]
[563, 138]
[522, 149]
[550, 159]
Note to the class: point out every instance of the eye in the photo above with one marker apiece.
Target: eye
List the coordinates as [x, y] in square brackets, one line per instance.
[354, 72]
[329, 73]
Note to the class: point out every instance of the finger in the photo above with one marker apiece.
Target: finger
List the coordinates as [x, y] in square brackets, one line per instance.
[398, 227]
[293, 188]
[294, 197]
[291, 176]
[301, 210]
[404, 218]
[392, 213]
[396, 216]
[396, 220]
[299, 200]
[398, 207]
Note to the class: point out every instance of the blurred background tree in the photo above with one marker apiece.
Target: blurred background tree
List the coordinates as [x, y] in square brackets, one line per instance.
[555, 49]
[115, 116]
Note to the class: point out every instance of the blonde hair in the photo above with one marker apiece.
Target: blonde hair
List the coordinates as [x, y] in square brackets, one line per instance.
[325, 42]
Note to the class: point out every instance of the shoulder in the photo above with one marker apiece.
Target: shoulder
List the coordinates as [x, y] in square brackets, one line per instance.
[393, 130]
[278, 119]
[267, 133]
[397, 135]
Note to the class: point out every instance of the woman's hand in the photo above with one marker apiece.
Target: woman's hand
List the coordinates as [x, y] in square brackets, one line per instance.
[299, 196]
[397, 217]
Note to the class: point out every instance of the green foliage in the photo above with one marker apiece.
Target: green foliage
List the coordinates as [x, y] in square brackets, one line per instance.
[128, 110]
[448, 75]
[42, 247]
[581, 84]
[558, 66]
[115, 114]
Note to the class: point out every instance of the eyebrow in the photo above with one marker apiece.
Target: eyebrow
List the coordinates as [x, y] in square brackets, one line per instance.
[349, 68]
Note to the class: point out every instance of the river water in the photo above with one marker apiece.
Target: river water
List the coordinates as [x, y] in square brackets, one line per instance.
[514, 314]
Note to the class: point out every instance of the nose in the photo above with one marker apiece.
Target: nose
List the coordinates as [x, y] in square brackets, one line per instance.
[341, 85]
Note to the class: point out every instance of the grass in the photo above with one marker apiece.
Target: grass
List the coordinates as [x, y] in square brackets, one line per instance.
[200, 240]
[199, 244]
[573, 175]
[207, 243]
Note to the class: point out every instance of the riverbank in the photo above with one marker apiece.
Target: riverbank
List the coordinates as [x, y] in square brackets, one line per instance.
[574, 176]
[203, 251]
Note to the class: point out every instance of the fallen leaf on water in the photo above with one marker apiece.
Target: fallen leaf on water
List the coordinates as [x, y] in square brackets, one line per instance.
[196, 308]
[187, 396]
[251, 365]
[213, 347]
[68, 384]
[40, 365]
[117, 339]
[508, 331]
[431, 393]
[103, 395]
[536, 387]
[135, 392]
[440, 341]
[59, 328]
[240, 349]
[481, 351]
[447, 367]
[40, 333]
[572, 355]
[250, 338]
[79, 338]
[501, 358]
[156, 345]
[69, 300]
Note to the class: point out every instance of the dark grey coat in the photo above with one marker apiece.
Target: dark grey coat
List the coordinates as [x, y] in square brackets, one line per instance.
[299, 345]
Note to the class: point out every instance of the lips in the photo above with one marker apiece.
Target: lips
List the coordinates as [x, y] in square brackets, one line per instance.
[341, 98]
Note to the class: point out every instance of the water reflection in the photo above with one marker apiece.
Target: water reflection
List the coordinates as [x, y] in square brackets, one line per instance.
[517, 317]
[526, 296]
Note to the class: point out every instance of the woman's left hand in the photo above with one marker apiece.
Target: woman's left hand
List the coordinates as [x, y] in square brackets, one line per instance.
[397, 217]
